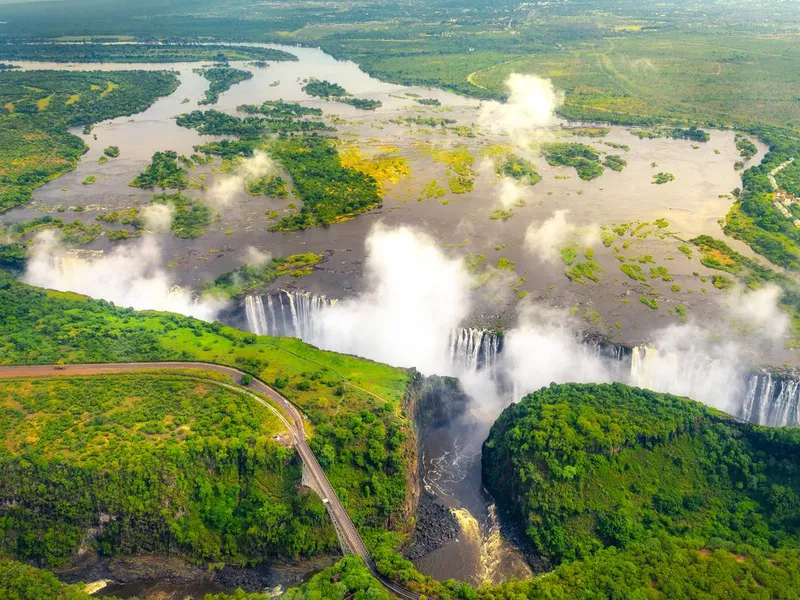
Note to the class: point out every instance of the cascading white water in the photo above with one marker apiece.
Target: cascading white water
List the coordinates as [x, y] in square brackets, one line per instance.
[761, 398]
[285, 313]
[256, 319]
[473, 349]
[716, 381]
[771, 400]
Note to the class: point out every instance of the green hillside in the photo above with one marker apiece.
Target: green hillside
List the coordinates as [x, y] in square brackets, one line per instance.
[592, 466]
[355, 407]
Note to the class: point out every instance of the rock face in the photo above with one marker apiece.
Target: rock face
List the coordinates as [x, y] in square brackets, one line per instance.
[440, 400]
[436, 527]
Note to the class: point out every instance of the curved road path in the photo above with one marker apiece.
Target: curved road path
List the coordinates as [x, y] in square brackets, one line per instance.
[344, 525]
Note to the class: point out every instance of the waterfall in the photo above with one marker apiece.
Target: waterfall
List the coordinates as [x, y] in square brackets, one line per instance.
[285, 313]
[771, 400]
[256, 318]
[474, 349]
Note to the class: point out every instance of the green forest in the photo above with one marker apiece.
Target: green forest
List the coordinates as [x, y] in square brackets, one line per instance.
[362, 438]
[585, 159]
[141, 53]
[37, 107]
[221, 79]
[196, 472]
[162, 172]
[190, 216]
[593, 466]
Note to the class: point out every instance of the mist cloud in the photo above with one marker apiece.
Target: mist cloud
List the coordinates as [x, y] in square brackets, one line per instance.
[415, 297]
[759, 311]
[157, 217]
[224, 190]
[129, 276]
[255, 257]
[544, 349]
[547, 238]
[531, 104]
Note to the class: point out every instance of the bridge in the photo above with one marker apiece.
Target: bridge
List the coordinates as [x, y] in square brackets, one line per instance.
[313, 475]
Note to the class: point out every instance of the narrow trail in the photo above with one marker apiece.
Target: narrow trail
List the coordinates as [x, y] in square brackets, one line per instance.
[344, 525]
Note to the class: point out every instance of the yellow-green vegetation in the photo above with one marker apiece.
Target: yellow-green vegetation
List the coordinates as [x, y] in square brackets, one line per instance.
[660, 273]
[432, 190]
[248, 278]
[130, 216]
[43, 103]
[89, 179]
[459, 161]
[505, 264]
[519, 169]
[685, 250]
[721, 282]
[34, 144]
[190, 216]
[76, 233]
[330, 192]
[495, 151]
[616, 146]
[196, 469]
[473, 262]
[615, 162]
[361, 437]
[633, 271]
[501, 214]
[649, 302]
[581, 271]
[385, 167]
[662, 178]
[585, 159]
[111, 151]
[595, 132]
[569, 254]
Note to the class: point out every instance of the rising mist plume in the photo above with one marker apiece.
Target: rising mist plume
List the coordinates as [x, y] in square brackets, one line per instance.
[129, 276]
[415, 297]
[224, 190]
[531, 104]
[546, 239]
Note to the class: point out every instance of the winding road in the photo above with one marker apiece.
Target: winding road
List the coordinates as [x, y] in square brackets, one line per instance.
[344, 525]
